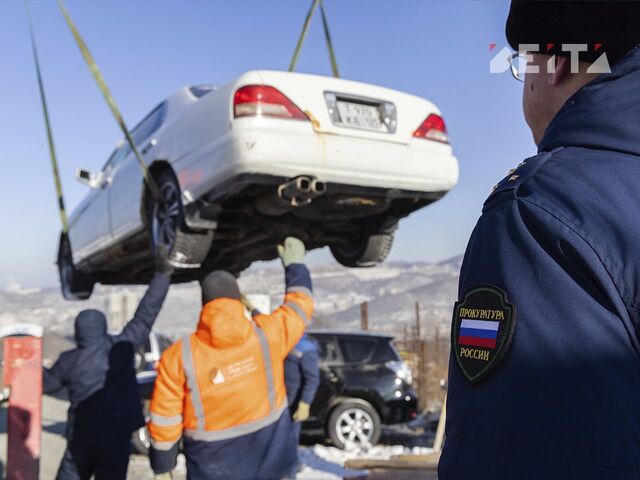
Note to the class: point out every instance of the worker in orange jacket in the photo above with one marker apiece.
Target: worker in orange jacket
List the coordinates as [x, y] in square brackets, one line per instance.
[221, 390]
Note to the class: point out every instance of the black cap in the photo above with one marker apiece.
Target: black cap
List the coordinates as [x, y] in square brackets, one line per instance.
[219, 284]
[609, 27]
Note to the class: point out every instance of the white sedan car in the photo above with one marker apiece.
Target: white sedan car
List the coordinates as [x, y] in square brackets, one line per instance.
[240, 167]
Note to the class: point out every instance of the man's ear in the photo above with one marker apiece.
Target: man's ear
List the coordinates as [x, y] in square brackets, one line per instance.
[563, 66]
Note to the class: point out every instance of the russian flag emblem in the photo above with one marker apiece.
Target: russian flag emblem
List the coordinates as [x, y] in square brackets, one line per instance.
[482, 329]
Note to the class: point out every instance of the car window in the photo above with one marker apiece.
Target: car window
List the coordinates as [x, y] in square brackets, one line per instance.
[201, 90]
[148, 125]
[384, 353]
[356, 350]
[116, 157]
[328, 350]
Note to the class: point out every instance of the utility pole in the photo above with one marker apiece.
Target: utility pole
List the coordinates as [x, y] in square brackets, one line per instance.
[364, 316]
[418, 320]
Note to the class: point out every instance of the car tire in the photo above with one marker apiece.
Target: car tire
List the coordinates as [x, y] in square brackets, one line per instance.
[187, 248]
[141, 439]
[73, 284]
[354, 421]
[370, 251]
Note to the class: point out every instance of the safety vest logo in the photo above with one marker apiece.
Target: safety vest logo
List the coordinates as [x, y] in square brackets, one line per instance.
[216, 376]
[481, 331]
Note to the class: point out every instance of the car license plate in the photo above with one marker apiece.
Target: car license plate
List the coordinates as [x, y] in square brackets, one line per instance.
[358, 115]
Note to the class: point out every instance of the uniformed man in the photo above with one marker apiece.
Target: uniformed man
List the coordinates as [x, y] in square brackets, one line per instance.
[100, 378]
[221, 389]
[302, 378]
[545, 369]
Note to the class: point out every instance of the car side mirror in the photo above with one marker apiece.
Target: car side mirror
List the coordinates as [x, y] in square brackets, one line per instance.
[89, 179]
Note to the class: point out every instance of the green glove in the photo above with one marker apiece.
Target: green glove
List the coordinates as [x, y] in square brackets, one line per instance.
[163, 476]
[291, 252]
[302, 412]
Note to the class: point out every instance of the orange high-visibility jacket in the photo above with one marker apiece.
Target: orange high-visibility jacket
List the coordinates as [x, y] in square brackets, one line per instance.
[226, 380]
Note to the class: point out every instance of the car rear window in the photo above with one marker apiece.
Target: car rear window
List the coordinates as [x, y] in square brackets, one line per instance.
[355, 350]
[385, 352]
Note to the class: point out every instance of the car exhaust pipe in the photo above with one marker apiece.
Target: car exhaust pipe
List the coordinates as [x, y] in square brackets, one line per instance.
[297, 192]
[319, 188]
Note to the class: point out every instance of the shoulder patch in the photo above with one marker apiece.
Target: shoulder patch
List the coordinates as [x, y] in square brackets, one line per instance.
[481, 331]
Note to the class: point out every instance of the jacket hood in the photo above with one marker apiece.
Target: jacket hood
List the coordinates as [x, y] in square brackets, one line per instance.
[90, 327]
[604, 114]
[223, 323]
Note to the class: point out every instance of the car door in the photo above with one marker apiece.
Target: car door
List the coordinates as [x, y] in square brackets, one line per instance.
[127, 182]
[330, 378]
[358, 372]
[90, 230]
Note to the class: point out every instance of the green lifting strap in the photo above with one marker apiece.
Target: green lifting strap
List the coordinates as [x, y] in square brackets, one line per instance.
[327, 35]
[97, 76]
[47, 123]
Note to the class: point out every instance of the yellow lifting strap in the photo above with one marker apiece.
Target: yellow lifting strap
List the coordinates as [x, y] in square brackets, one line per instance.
[327, 35]
[47, 123]
[97, 76]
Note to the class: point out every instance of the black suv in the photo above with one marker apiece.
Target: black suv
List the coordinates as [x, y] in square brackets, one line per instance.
[364, 384]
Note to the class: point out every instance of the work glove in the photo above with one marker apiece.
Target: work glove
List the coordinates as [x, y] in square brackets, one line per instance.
[163, 476]
[302, 412]
[163, 264]
[291, 252]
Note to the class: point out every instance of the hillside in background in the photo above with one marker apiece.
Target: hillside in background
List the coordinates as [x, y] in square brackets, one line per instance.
[391, 290]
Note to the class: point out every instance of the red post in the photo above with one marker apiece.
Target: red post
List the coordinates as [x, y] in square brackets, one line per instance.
[23, 374]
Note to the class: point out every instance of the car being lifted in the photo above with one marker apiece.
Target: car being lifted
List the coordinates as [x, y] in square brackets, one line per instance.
[334, 162]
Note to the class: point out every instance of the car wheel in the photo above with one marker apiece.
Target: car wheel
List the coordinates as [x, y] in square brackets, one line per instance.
[140, 439]
[187, 248]
[73, 284]
[369, 251]
[354, 423]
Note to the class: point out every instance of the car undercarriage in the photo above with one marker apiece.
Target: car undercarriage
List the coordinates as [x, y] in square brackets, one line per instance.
[242, 221]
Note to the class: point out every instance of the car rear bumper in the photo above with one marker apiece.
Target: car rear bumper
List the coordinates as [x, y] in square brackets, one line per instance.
[420, 165]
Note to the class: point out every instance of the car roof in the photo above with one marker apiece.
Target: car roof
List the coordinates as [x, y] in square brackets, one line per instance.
[336, 333]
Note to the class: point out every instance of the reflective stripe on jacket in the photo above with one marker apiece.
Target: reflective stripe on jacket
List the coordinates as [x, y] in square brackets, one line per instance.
[226, 381]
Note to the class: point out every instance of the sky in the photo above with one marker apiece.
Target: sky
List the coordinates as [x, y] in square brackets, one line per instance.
[147, 49]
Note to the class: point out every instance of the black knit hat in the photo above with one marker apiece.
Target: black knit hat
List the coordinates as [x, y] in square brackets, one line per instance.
[605, 26]
[219, 284]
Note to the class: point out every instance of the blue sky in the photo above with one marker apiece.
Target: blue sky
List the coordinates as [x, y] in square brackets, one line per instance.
[148, 48]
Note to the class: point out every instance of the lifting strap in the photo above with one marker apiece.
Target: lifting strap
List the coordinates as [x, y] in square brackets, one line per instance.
[327, 35]
[97, 76]
[45, 112]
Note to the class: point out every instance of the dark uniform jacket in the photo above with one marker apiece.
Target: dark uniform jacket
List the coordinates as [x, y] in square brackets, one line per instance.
[550, 290]
[99, 375]
[301, 373]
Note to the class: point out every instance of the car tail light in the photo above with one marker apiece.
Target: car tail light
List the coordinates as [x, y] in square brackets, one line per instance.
[433, 128]
[263, 100]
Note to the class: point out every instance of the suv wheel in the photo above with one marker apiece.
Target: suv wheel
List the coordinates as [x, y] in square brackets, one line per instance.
[370, 250]
[187, 248]
[74, 285]
[354, 423]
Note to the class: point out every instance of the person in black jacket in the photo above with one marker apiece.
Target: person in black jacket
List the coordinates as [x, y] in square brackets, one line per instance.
[100, 378]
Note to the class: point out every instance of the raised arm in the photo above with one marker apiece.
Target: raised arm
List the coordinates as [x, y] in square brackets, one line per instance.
[292, 317]
[138, 328]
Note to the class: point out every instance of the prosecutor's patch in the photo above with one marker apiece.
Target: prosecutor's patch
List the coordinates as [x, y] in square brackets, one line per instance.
[481, 332]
